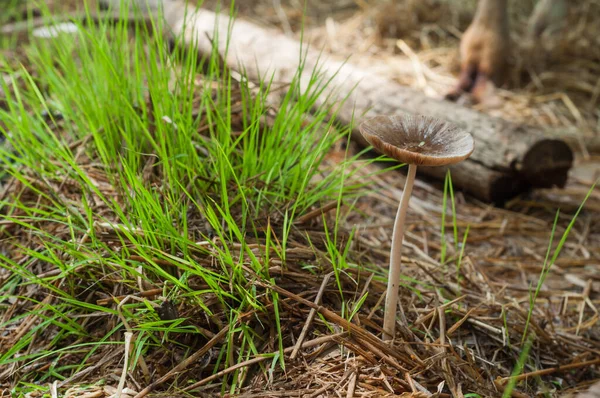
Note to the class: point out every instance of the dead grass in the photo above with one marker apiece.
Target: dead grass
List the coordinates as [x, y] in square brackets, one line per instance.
[465, 325]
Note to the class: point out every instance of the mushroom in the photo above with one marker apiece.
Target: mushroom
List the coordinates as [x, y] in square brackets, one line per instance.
[417, 141]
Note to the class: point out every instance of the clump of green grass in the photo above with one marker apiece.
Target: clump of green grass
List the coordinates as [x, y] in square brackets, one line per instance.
[129, 170]
[12, 10]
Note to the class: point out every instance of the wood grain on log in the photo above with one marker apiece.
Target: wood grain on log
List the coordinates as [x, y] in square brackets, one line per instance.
[508, 158]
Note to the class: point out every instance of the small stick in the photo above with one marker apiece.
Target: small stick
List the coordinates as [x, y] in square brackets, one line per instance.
[376, 306]
[146, 293]
[310, 317]
[352, 385]
[458, 324]
[544, 372]
[387, 383]
[317, 212]
[54, 389]
[585, 294]
[410, 382]
[128, 336]
[142, 362]
[442, 318]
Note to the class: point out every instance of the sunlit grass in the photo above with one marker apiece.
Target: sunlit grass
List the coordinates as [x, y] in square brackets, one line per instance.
[174, 166]
[141, 168]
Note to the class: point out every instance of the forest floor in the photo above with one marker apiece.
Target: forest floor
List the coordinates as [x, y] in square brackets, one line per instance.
[95, 250]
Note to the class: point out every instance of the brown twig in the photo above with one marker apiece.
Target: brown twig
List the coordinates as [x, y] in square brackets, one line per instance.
[543, 372]
[310, 317]
[317, 212]
[146, 293]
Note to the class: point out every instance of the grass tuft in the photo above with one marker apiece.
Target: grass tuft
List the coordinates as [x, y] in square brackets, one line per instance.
[137, 167]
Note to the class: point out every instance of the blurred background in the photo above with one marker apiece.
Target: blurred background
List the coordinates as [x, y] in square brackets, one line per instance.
[553, 81]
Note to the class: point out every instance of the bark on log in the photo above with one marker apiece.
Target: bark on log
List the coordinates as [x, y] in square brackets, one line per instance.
[508, 158]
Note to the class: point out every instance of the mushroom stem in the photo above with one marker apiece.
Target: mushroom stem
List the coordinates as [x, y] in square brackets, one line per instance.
[391, 298]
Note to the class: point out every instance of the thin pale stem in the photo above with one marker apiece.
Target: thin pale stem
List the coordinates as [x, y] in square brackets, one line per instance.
[391, 298]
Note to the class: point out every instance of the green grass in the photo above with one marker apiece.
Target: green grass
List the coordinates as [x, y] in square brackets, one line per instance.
[549, 261]
[448, 192]
[528, 338]
[12, 10]
[143, 173]
[519, 366]
[133, 166]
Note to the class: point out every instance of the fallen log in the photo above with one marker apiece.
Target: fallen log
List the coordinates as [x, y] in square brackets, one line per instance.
[508, 159]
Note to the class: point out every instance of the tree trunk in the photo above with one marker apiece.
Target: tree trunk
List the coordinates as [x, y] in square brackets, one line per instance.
[508, 158]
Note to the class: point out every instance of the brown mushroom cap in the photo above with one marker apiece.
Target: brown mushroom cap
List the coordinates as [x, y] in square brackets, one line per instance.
[417, 139]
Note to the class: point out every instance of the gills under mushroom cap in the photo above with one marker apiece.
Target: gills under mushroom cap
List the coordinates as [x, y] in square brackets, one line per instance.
[419, 140]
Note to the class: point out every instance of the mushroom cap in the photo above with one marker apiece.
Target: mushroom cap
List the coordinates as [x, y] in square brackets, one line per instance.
[417, 139]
